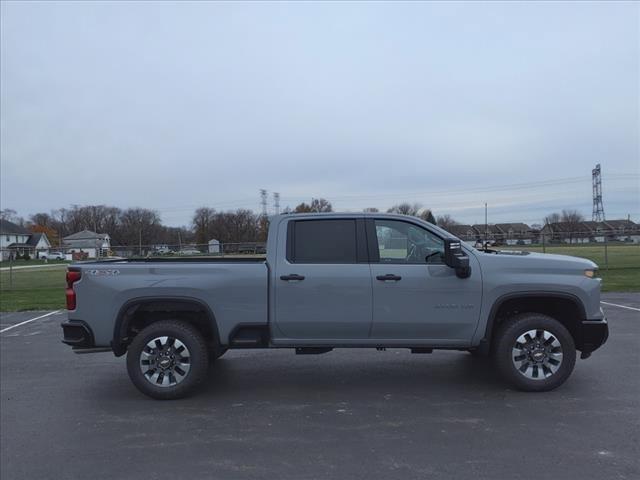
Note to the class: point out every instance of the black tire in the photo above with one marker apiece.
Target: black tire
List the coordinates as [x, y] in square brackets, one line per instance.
[506, 360]
[196, 346]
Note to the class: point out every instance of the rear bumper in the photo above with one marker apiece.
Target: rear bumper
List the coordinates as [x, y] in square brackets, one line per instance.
[591, 335]
[77, 334]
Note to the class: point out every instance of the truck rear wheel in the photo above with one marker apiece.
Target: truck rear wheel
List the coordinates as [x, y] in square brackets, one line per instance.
[534, 352]
[167, 360]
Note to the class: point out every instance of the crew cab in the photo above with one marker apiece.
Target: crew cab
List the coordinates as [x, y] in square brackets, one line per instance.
[339, 280]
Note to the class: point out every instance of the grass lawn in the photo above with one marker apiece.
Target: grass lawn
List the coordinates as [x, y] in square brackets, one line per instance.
[32, 289]
[623, 273]
[33, 261]
[43, 288]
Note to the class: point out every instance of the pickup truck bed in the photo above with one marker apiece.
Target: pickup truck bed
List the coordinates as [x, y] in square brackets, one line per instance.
[112, 290]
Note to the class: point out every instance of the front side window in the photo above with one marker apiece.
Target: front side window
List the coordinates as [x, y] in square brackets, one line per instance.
[324, 241]
[406, 243]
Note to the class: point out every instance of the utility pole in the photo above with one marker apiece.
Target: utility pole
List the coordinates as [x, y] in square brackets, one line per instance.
[276, 202]
[596, 181]
[486, 225]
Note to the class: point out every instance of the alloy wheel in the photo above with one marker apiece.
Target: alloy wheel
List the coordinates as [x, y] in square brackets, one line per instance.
[537, 354]
[165, 361]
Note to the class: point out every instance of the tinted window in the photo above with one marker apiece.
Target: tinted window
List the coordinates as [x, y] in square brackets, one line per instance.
[402, 242]
[324, 241]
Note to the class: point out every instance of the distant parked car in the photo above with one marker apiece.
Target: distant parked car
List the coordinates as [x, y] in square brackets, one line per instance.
[51, 256]
[189, 251]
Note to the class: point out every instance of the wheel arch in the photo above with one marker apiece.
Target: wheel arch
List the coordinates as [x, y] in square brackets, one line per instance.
[564, 307]
[138, 312]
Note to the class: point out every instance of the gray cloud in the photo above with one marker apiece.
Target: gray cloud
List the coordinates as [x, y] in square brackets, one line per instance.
[171, 106]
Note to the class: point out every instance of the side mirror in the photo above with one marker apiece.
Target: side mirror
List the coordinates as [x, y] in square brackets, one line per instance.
[455, 257]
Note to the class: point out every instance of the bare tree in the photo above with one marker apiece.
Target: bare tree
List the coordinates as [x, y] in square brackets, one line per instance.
[138, 226]
[572, 216]
[446, 221]
[41, 219]
[321, 205]
[406, 208]
[552, 218]
[302, 208]
[371, 210]
[203, 224]
[10, 215]
[317, 205]
[427, 215]
[573, 219]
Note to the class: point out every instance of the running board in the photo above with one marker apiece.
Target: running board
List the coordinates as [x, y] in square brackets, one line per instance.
[422, 350]
[92, 350]
[312, 350]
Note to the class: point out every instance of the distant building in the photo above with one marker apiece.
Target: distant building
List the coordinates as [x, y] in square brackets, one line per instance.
[493, 234]
[16, 240]
[214, 246]
[589, 231]
[463, 232]
[40, 243]
[86, 242]
[515, 233]
[624, 230]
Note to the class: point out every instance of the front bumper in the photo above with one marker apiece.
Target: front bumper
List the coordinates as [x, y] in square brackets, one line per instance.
[591, 335]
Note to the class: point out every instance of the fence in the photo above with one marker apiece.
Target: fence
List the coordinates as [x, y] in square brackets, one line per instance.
[38, 283]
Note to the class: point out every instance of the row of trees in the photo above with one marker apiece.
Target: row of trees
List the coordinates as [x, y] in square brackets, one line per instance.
[131, 226]
[141, 226]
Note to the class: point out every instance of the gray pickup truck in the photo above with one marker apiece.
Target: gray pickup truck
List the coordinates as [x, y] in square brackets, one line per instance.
[339, 280]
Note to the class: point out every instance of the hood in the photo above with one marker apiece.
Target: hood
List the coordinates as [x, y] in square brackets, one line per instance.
[531, 260]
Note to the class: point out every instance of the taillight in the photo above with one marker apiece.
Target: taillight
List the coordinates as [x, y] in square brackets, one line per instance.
[72, 277]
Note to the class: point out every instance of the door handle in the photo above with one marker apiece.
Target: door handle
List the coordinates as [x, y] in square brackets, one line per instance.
[291, 276]
[389, 276]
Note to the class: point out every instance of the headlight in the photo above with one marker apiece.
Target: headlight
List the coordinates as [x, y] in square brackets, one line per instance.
[591, 272]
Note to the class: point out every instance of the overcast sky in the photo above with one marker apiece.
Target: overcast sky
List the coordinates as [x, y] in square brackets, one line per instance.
[174, 106]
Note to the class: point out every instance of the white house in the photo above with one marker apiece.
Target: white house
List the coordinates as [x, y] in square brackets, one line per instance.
[17, 240]
[40, 243]
[87, 244]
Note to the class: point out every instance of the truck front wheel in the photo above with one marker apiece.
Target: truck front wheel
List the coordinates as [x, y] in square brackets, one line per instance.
[534, 352]
[168, 359]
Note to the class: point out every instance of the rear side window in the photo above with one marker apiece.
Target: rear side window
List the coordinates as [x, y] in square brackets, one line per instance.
[324, 241]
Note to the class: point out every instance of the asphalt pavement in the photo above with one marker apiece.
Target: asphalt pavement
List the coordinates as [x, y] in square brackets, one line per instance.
[355, 413]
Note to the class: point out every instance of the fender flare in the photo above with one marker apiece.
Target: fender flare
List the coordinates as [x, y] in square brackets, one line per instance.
[485, 341]
[121, 324]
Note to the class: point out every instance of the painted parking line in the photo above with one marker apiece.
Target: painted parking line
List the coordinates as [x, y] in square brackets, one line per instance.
[29, 321]
[621, 306]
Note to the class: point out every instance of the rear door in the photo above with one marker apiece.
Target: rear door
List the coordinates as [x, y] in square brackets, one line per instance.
[415, 295]
[323, 285]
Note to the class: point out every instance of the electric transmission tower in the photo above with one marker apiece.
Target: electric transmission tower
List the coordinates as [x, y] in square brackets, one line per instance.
[276, 202]
[263, 201]
[598, 209]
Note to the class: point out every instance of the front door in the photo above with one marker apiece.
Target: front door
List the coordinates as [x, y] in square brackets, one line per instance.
[415, 295]
[323, 286]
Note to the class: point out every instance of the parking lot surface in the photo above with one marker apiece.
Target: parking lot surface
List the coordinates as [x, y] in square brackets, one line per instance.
[345, 414]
